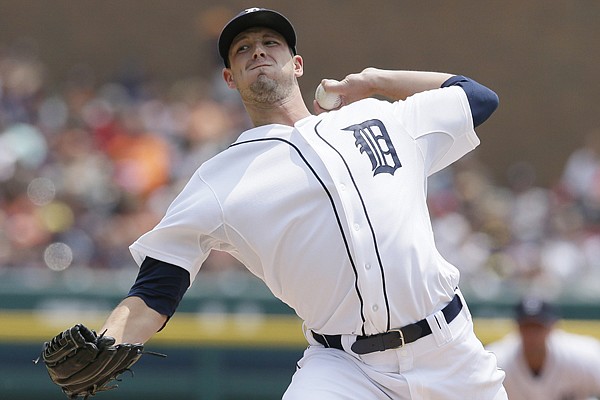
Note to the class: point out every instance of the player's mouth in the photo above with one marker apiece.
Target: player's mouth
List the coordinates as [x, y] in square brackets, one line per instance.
[259, 65]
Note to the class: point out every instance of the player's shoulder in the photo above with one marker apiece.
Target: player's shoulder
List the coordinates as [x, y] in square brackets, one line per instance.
[368, 102]
[448, 94]
[574, 345]
[509, 338]
[505, 345]
[560, 335]
[264, 132]
[359, 108]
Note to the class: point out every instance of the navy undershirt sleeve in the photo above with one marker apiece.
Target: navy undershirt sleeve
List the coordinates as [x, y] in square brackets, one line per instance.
[483, 101]
[160, 285]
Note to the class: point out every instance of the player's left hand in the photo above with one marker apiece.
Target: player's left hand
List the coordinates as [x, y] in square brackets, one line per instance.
[82, 363]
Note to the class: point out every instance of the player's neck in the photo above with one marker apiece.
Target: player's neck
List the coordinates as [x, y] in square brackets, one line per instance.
[286, 112]
[535, 361]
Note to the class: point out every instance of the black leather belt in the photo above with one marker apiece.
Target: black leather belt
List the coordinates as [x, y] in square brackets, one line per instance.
[391, 339]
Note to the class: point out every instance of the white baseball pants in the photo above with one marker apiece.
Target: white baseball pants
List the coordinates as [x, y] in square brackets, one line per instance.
[450, 364]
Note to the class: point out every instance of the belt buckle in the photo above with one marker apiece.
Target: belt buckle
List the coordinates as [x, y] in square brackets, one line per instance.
[402, 341]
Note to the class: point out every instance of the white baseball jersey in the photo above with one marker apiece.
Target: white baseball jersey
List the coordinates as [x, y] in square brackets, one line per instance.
[331, 213]
[571, 371]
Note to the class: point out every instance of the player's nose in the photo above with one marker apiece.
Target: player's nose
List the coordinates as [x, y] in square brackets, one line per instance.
[259, 51]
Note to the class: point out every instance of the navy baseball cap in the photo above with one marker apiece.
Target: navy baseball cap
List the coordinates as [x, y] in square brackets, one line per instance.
[535, 309]
[255, 17]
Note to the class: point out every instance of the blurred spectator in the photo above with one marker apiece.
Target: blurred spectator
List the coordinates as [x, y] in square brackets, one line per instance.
[530, 208]
[543, 362]
[90, 165]
[581, 178]
[21, 81]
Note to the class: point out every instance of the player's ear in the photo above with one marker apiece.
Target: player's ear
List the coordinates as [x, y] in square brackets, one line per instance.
[228, 78]
[298, 66]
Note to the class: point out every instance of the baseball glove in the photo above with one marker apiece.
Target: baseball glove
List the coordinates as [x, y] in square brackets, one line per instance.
[82, 363]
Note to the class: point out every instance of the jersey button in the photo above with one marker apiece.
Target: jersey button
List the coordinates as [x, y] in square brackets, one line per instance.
[375, 307]
[356, 227]
[367, 266]
[342, 187]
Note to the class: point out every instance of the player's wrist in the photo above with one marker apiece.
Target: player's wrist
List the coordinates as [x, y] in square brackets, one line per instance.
[372, 79]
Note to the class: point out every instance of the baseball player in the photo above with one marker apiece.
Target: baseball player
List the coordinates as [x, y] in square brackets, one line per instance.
[542, 361]
[329, 210]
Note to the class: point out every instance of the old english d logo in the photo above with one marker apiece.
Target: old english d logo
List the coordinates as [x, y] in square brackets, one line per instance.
[372, 138]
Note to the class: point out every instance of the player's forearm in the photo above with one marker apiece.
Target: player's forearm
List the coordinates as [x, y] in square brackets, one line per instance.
[398, 84]
[132, 321]
[392, 84]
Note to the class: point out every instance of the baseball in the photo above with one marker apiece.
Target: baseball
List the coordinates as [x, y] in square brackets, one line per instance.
[327, 101]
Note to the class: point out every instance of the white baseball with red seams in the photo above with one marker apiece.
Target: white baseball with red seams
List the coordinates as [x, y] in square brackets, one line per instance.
[327, 101]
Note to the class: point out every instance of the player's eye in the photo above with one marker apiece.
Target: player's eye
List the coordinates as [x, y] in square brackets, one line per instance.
[271, 43]
[241, 48]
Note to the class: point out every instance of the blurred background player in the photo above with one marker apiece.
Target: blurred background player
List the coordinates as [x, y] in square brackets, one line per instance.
[542, 361]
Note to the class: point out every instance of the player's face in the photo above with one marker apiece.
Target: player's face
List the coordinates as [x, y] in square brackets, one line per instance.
[533, 335]
[262, 67]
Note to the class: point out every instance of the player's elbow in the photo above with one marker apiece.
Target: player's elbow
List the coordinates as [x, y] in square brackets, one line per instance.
[483, 106]
[482, 100]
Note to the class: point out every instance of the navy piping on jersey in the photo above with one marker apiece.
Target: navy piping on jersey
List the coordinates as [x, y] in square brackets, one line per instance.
[364, 207]
[482, 100]
[337, 217]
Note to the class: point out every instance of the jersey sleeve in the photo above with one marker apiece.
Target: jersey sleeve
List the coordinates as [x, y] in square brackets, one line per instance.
[482, 100]
[186, 234]
[440, 121]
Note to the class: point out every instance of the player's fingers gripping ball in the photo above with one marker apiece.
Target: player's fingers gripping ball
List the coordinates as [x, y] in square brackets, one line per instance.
[327, 100]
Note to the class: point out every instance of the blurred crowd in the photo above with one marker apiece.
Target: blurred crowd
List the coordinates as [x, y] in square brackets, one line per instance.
[88, 166]
[521, 237]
